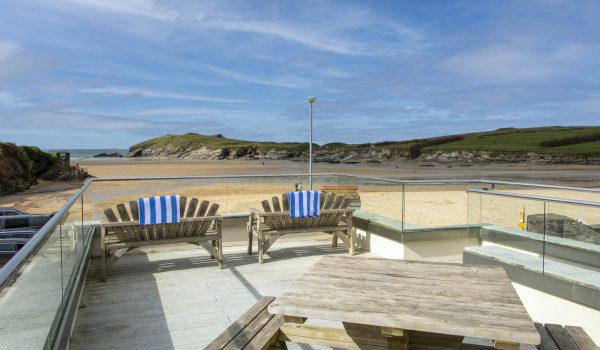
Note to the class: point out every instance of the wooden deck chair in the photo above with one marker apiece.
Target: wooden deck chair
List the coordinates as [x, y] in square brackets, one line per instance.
[199, 224]
[269, 224]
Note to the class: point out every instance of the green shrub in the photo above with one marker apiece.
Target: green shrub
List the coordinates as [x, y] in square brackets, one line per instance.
[565, 141]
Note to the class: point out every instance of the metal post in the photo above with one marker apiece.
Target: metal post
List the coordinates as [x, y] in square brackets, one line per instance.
[311, 100]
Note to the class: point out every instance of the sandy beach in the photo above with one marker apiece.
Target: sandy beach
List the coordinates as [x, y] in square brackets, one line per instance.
[450, 203]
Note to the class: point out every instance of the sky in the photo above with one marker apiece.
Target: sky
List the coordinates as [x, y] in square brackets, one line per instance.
[111, 73]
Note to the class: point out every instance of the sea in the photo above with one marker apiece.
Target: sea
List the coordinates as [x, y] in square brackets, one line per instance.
[88, 153]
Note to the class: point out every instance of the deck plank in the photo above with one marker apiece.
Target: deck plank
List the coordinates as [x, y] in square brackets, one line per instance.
[178, 300]
[475, 301]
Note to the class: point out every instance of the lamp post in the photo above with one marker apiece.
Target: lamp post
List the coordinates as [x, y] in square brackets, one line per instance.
[311, 100]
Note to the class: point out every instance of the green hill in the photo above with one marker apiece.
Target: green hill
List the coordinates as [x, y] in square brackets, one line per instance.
[527, 140]
[213, 142]
[500, 140]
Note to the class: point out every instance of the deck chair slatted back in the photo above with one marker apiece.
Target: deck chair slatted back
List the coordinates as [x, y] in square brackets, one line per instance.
[137, 232]
[328, 201]
[335, 218]
[195, 228]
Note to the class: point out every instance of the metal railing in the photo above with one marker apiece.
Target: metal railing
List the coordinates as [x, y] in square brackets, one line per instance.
[534, 197]
[13, 270]
[8, 271]
[16, 262]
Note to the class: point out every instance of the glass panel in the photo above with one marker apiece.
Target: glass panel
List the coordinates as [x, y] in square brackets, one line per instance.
[235, 196]
[547, 192]
[512, 231]
[373, 200]
[72, 246]
[473, 215]
[28, 307]
[573, 241]
[435, 205]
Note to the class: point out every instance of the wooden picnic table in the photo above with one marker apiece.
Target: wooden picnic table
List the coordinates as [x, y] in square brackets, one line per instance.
[397, 304]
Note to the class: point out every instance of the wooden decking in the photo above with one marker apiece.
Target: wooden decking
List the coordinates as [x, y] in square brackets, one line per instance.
[178, 300]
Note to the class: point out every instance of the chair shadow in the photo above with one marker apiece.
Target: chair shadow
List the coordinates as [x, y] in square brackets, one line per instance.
[118, 313]
[138, 271]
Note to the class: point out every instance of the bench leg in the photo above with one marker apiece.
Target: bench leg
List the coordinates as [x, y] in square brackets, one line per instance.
[103, 248]
[220, 245]
[352, 241]
[214, 245]
[260, 243]
[103, 277]
[250, 235]
[221, 253]
[334, 240]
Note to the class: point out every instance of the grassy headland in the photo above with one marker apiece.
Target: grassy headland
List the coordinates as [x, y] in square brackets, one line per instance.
[579, 141]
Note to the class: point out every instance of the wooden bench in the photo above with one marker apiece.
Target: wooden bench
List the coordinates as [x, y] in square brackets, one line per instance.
[199, 224]
[557, 337]
[256, 329]
[271, 223]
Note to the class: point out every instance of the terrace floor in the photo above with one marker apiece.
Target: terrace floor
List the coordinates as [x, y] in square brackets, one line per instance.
[180, 299]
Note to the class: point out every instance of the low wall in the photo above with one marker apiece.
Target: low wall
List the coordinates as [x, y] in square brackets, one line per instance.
[385, 238]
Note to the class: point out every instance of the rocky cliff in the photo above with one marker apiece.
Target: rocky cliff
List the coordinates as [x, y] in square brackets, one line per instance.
[364, 155]
[500, 146]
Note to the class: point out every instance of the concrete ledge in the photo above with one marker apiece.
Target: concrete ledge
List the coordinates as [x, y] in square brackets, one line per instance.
[569, 282]
[563, 248]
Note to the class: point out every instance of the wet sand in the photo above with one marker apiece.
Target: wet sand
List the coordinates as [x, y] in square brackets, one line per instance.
[580, 175]
[450, 202]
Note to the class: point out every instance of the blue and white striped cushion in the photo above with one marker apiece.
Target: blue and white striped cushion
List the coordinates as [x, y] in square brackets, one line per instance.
[304, 204]
[158, 210]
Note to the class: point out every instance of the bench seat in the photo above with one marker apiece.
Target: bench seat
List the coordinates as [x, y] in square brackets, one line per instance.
[255, 329]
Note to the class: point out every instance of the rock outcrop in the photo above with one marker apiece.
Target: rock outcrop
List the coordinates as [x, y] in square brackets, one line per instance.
[197, 146]
[563, 226]
[369, 154]
[108, 155]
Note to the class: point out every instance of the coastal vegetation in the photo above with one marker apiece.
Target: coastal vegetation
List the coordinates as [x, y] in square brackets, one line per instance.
[21, 166]
[573, 140]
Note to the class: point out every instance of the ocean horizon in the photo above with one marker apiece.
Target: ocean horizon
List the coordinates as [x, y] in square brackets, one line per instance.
[86, 153]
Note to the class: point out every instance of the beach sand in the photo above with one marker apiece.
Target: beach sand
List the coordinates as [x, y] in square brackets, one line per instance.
[425, 205]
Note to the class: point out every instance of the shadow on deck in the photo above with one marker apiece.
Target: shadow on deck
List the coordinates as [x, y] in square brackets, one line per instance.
[180, 298]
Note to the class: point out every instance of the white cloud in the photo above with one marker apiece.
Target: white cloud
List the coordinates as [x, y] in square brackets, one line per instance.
[8, 50]
[290, 81]
[129, 91]
[510, 63]
[181, 112]
[334, 30]
[9, 100]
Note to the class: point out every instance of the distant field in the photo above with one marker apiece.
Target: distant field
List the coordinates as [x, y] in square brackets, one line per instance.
[525, 140]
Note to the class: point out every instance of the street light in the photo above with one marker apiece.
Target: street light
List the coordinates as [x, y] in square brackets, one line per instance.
[311, 100]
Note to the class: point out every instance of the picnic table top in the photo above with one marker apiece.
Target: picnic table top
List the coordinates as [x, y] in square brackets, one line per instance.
[446, 298]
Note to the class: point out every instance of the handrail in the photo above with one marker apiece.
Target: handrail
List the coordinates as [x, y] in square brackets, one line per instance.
[200, 177]
[376, 178]
[23, 255]
[481, 181]
[14, 264]
[535, 197]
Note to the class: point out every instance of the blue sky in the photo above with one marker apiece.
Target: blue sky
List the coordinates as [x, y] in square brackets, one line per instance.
[110, 73]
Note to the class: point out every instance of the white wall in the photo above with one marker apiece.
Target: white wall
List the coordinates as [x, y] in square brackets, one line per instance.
[381, 246]
[546, 308]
